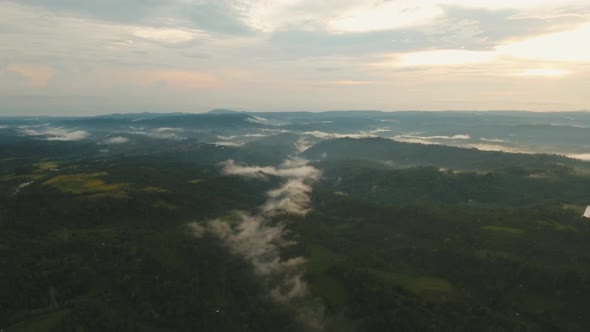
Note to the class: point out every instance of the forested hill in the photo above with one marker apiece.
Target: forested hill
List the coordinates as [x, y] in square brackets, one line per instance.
[412, 154]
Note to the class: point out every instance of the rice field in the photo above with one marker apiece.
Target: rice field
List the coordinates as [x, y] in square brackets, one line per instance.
[88, 184]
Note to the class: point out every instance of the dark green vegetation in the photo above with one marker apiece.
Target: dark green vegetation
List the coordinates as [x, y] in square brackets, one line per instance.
[438, 263]
[401, 237]
[82, 249]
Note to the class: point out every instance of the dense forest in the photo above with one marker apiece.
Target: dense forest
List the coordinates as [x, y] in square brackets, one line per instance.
[367, 235]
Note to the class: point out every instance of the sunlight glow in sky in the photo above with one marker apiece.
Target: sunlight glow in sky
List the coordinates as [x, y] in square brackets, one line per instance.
[87, 57]
[546, 72]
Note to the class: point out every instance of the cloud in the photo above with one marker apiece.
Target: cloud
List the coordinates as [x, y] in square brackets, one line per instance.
[413, 138]
[445, 58]
[213, 15]
[111, 10]
[385, 15]
[302, 144]
[496, 147]
[54, 133]
[492, 140]
[226, 143]
[294, 287]
[261, 172]
[167, 129]
[350, 82]
[162, 55]
[580, 156]
[165, 133]
[258, 119]
[227, 138]
[292, 197]
[259, 238]
[543, 72]
[21, 187]
[167, 36]
[116, 140]
[197, 229]
[565, 46]
[360, 134]
[358, 16]
[183, 79]
[458, 141]
[37, 75]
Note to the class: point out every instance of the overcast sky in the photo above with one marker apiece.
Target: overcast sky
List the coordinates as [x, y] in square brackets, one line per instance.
[90, 56]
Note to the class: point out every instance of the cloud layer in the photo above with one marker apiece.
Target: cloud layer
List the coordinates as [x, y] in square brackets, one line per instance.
[54, 133]
[186, 55]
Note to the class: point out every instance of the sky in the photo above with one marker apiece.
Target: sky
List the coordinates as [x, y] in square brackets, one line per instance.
[84, 57]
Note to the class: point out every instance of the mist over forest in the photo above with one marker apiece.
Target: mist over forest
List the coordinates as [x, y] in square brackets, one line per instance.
[331, 221]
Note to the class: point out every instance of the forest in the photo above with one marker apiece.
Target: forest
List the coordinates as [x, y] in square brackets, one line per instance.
[364, 234]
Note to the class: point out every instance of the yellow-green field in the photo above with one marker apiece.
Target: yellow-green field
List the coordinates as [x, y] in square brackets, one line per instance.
[88, 184]
[165, 205]
[495, 254]
[579, 209]
[557, 226]
[152, 189]
[20, 178]
[416, 284]
[46, 166]
[503, 230]
[46, 322]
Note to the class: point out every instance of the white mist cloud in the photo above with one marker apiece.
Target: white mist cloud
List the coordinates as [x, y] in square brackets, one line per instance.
[496, 147]
[492, 140]
[226, 143]
[166, 133]
[291, 288]
[260, 120]
[21, 187]
[259, 238]
[254, 135]
[413, 138]
[197, 229]
[236, 139]
[167, 129]
[293, 197]
[116, 140]
[255, 239]
[492, 144]
[227, 138]
[285, 170]
[361, 134]
[302, 144]
[54, 134]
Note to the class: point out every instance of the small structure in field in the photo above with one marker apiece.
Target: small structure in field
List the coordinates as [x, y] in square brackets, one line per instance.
[587, 212]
